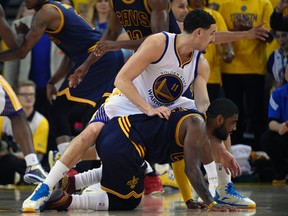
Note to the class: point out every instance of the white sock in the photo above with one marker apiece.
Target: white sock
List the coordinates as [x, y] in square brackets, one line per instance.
[223, 177]
[212, 177]
[88, 178]
[62, 147]
[31, 159]
[56, 174]
[148, 169]
[98, 202]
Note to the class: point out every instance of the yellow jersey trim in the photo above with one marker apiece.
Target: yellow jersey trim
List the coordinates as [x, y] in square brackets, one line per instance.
[177, 131]
[62, 19]
[125, 125]
[66, 92]
[122, 196]
[8, 89]
[128, 1]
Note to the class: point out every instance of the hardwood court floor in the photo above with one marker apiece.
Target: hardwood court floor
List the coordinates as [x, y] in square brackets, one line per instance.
[271, 200]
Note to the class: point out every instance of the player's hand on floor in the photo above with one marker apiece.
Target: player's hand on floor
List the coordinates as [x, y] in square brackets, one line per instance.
[196, 205]
[224, 208]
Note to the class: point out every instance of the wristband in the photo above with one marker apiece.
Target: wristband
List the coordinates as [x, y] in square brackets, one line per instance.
[212, 204]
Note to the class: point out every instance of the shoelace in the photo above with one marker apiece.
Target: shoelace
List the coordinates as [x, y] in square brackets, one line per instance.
[230, 189]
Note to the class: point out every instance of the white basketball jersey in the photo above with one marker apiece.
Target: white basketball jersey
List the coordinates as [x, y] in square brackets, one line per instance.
[162, 83]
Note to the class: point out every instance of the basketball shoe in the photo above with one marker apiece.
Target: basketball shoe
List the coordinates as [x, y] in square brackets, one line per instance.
[168, 180]
[59, 200]
[226, 194]
[35, 174]
[36, 201]
[153, 185]
[53, 156]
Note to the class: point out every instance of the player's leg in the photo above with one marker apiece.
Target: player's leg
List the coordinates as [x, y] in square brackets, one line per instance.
[225, 192]
[11, 107]
[71, 156]
[122, 180]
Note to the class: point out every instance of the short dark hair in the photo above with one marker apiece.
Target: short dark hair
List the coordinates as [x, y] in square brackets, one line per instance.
[222, 106]
[197, 18]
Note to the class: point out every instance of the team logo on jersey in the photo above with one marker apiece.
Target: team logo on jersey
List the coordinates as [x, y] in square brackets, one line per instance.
[132, 183]
[167, 88]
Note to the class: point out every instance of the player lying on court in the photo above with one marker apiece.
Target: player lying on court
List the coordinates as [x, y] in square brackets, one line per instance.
[125, 142]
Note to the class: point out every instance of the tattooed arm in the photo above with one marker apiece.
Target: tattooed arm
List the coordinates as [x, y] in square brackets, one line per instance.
[46, 17]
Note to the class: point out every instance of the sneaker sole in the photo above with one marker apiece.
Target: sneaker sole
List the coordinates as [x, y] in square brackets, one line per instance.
[238, 206]
[30, 210]
[32, 179]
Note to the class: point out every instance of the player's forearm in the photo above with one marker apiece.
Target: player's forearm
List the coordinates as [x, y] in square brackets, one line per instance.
[130, 91]
[229, 36]
[197, 180]
[130, 44]
[12, 54]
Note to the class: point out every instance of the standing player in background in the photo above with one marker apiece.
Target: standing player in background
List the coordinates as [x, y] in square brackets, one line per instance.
[11, 107]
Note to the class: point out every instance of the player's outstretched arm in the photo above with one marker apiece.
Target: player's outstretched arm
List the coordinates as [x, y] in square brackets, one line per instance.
[257, 32]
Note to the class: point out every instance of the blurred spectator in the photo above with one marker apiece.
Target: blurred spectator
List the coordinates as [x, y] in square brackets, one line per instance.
[271, 47]
[280, 13]
[81, 6]
[10, 151]
[98, 14]
[180, 9]
[215, 52]
[244, 78]
[275, 139]
[277, 60]
[215, 4]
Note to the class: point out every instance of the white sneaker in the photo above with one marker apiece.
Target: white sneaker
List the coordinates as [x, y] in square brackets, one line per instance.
[226, 194]
[35, 174]
[36, 201]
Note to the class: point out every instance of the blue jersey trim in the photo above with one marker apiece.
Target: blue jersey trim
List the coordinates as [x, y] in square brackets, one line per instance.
[166, 47]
